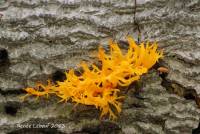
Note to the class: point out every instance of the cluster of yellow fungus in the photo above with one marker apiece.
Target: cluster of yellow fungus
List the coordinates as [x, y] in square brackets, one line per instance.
[97, 86]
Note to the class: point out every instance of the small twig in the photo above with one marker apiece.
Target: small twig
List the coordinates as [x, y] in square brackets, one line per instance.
[135, 22]
[135, 7]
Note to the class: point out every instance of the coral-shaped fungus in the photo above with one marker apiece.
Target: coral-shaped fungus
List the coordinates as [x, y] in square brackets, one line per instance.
[97, 86]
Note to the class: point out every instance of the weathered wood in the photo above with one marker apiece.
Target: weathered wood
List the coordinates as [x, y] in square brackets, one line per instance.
[43, 36]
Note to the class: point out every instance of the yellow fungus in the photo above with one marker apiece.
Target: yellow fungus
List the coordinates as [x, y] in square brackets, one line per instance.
[98, 86]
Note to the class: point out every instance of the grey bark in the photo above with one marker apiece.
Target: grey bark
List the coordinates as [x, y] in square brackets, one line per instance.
[42, 36]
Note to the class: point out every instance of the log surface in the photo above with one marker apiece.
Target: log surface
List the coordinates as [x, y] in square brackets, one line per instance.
[43, 36]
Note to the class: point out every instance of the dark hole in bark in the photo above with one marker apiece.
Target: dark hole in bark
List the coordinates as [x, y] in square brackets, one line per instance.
[11, 109]
[50, 41]
[196, 130]
[3, 56]
[7, 92]
[163, 75]
[58, 76]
